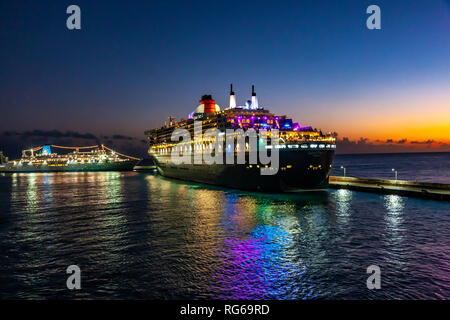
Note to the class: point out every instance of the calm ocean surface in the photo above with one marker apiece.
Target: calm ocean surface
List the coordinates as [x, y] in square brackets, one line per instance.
[424, 167]
[138, 235]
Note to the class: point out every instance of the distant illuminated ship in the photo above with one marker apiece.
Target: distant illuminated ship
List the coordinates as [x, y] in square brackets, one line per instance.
[305, 154]
[41, 159]
[3, 159]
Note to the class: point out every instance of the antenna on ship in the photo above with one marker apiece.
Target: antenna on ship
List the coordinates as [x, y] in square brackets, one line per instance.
[254, 104]
[232, 98]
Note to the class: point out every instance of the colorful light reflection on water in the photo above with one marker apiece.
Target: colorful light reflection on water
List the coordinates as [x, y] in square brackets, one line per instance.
[143, 236]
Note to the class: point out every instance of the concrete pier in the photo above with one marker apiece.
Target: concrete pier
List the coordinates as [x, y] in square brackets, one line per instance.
[436, 191]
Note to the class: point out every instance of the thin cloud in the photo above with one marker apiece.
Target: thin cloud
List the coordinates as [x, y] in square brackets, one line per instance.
[121, 137]
[423, 142]
[365, 145]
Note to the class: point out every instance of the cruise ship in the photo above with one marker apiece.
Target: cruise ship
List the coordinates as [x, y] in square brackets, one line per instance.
[89, 158]
[305, 154]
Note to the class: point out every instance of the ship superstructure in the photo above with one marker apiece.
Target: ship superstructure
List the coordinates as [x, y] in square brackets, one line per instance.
[89, 158]
[305, 153]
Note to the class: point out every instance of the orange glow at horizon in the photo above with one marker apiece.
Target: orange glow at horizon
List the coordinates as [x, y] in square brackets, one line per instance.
[414, 115]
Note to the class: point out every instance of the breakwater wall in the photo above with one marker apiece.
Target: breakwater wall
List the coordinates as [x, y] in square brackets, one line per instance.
[426, 190]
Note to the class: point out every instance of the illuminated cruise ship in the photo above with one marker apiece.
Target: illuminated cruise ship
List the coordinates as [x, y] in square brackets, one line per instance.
[305, 154]
[90, 158]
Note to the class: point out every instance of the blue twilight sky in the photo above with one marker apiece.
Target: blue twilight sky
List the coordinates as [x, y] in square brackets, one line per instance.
[134, 63]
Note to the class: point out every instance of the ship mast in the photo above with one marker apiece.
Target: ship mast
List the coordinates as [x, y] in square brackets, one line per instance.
[254, 104]
[232, 98]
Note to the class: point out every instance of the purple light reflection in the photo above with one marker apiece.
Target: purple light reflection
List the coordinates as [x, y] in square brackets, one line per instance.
[254, 268]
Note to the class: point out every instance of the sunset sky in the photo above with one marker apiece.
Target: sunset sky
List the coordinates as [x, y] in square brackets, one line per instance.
[134, 63]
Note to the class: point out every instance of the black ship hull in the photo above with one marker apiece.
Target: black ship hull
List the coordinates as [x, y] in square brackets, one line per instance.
[298, 169]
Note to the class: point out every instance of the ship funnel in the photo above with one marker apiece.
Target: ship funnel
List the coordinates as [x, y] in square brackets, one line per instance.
[232, 98]
[254, 104]
[208, 104]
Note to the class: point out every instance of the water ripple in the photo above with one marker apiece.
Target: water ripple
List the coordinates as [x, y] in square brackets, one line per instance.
[145, 237]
